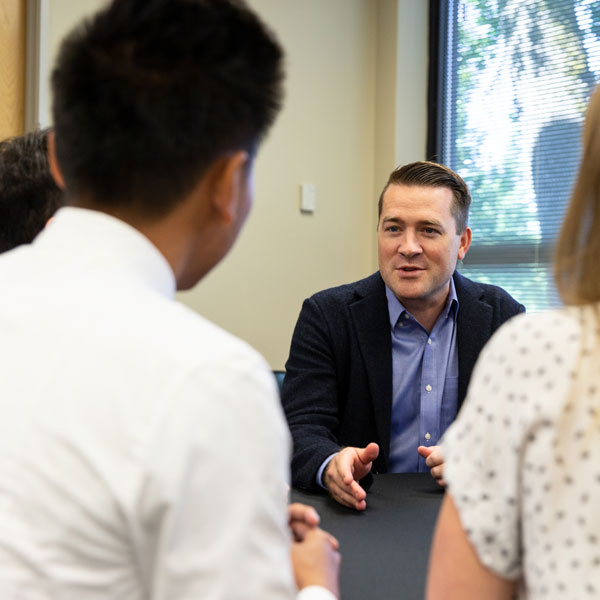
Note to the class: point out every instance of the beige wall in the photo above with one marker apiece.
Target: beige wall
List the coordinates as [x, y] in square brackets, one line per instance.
[355, 108]
[412, 55]
[63, 16]
[325, 136]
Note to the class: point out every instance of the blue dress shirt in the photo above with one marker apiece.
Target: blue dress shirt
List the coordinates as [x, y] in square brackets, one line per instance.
[424, 382]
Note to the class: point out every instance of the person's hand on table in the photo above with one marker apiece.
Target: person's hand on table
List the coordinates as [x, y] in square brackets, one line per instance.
[302, 518]
[316, 560]
[435, 461]
[345, 470]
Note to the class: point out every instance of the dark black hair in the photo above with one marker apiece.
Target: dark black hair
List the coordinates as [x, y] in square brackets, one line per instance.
[28, 194]
[149, 93]
[431, 174]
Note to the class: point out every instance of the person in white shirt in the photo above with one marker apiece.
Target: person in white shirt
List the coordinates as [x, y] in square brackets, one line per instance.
[521, 517]
[124, 413]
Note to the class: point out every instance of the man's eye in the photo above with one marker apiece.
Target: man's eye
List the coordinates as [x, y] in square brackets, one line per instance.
[392, 228]
[429, 230]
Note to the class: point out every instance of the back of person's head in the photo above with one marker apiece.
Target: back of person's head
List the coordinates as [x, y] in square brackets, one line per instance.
[578, 248]
[431, 174]
[28, 194]
[149, 93]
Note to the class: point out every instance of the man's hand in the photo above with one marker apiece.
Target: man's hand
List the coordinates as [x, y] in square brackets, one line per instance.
[435, 461]
[316, 561]
[345, 470]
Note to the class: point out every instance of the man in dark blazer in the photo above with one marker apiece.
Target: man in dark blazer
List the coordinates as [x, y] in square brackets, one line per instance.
[344, 392]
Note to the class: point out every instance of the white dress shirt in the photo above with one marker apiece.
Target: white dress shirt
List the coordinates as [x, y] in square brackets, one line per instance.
[143, 451]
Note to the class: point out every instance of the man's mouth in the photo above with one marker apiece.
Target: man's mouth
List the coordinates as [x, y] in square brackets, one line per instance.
[409, 269]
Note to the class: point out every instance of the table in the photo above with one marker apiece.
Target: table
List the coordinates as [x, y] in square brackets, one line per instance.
[385, 549]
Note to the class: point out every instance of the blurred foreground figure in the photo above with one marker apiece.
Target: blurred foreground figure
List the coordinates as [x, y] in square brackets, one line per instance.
[28, 194]
[523, 457]
[143, 450]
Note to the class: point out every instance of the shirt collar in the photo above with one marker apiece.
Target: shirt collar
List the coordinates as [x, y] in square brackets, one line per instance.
[396, 308]
[99, 238]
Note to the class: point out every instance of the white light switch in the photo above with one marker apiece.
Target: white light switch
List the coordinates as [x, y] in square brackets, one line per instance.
[308, 197]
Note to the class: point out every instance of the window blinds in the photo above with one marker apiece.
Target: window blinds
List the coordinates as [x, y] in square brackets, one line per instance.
[514, 80]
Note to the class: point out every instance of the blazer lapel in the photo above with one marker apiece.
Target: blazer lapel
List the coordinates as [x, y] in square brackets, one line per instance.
[371, 321]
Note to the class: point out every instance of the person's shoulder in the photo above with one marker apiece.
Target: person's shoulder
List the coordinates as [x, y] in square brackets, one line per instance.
[204, 341]
[205, 356]
[555, 331]
[487, 292]
[561, 324]
[179, 343]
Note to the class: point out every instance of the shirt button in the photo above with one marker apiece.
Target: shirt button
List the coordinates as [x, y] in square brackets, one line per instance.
[427, 436]
[406, 316]
[428, 387]
[429, 341]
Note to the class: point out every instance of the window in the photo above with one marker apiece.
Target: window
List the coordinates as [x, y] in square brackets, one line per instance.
[513, 79]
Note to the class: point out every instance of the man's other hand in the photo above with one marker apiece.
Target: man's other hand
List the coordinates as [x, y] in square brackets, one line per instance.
[435, 461]
[316, 561]
[345, 470]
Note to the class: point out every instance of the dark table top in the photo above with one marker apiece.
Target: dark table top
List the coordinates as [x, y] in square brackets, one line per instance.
[384, 548]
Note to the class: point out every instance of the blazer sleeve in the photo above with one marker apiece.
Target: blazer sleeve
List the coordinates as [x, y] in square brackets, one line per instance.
[310, 393]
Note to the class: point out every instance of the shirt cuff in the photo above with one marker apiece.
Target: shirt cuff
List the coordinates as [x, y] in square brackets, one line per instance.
[315, 592]
[322, 470]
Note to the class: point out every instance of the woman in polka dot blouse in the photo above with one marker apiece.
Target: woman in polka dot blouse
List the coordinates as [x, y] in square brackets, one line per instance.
[522, 514]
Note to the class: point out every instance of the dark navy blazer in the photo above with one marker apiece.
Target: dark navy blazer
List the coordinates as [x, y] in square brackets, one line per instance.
[338, 385]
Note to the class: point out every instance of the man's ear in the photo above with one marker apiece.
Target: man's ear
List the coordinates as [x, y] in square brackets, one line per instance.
[52, 160]
[228, 183]
[465, 242]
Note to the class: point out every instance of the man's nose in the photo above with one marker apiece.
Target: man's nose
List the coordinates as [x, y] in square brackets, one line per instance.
[409, 244]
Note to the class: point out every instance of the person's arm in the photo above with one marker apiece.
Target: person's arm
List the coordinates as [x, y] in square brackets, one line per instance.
[213, 500]
[310, 394]
[311, 398]
[455, 571]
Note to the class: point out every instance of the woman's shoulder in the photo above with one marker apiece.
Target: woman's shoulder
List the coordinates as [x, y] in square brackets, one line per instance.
[540, 333]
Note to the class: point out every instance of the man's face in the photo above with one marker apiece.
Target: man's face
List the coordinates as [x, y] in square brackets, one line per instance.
[418, 244]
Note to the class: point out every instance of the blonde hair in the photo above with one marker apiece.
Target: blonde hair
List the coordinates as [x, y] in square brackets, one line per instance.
[577, 256]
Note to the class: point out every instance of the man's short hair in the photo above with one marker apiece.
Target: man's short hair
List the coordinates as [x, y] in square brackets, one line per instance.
[149, 93]
[28, 194]
[431, 174]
